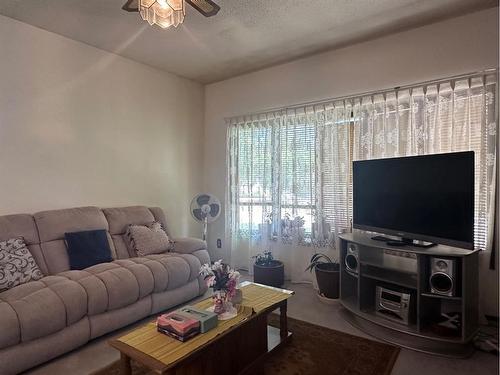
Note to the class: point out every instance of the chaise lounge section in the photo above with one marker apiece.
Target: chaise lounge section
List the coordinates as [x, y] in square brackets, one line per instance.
[43, 319]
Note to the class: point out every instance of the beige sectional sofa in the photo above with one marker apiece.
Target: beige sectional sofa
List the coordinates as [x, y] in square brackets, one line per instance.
[43, 319]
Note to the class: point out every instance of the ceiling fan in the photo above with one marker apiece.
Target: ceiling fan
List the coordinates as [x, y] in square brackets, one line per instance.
[206, 7]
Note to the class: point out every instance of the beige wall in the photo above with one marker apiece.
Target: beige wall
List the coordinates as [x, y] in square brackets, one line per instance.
[80, 126]
[456, 46]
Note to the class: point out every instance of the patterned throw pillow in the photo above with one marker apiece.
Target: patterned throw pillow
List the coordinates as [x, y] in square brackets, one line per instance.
[148, 239]
[17, 265]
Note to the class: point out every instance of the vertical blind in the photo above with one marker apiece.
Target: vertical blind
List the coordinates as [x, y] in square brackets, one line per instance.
[295, 164]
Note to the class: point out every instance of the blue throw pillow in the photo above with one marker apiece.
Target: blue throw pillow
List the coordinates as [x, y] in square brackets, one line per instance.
[87, 248]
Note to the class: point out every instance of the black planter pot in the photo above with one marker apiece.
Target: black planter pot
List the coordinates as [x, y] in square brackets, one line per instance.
[272, 275]
[327, 276]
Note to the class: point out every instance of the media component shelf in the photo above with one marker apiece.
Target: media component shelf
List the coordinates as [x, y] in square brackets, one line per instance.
[424, 299]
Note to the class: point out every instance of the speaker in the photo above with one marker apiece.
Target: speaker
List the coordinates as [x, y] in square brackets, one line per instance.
[352, 258]
[443, 276]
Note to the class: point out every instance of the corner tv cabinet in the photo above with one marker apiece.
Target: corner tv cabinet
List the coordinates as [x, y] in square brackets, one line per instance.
[401, 294]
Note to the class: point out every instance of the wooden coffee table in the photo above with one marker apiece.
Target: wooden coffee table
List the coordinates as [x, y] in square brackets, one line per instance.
[235, 346]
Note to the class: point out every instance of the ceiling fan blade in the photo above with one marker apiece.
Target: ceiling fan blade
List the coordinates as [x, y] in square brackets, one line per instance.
[206, 7]
[131, 6]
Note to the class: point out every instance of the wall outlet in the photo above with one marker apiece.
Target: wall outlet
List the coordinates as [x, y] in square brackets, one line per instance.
[219, 243]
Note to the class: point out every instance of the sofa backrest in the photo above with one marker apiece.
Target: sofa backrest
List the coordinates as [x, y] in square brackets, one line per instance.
[44, 231]
[23, 225]
[52, 225]
[119, 219]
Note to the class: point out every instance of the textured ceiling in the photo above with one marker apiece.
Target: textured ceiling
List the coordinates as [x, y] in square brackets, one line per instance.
[246, 35]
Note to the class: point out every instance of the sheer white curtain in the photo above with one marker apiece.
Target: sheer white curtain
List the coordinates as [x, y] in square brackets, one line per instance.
[251, 154]
[289, 171]
[443, 117]
[288, 185]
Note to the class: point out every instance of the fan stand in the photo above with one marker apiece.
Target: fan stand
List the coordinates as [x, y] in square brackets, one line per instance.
[205, 225]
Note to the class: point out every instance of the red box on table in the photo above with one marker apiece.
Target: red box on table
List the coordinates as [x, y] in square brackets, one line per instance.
[178, 326]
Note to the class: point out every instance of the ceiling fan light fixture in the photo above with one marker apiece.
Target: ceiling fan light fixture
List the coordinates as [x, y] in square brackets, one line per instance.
[164, 13]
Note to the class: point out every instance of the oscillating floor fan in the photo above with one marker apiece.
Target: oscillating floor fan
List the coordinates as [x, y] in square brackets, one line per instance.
[205, 208]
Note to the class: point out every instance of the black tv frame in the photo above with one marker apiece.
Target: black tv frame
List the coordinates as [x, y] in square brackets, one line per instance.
[407, 238]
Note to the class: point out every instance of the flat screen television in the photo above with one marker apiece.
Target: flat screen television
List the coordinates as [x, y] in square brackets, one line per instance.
[428, 198]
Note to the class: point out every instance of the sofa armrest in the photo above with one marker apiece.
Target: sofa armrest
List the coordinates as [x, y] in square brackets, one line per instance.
[188, 245]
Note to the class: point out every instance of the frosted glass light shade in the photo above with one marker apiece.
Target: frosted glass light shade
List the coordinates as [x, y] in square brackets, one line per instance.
[164, 13]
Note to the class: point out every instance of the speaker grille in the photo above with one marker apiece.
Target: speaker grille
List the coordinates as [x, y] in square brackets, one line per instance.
[351, 262]
[441, 282]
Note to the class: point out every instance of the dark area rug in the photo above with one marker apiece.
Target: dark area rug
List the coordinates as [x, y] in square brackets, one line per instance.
[316, 350]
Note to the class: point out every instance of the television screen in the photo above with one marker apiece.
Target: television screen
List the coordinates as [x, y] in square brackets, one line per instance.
[428, 197]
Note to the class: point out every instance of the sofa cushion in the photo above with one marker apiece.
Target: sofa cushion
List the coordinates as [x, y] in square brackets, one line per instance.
[179, 270]
[9, 326]
[41, 308]
[17, 265]
[142, 274]
[168, 270]
[121, 284]
[109, 286]
[147, 239]
[157, 270]
[87, 248]
[115, 285]
[97, 294]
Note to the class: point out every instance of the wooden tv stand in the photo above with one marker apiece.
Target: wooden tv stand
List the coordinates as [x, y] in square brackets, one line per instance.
[407, 269]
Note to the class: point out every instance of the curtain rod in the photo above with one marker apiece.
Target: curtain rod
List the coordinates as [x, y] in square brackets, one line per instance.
[373, 92]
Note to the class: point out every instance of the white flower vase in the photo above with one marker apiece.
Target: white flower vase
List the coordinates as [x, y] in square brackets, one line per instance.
[238, 297]
[223, 306]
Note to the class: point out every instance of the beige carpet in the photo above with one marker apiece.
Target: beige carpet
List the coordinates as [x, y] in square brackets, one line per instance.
[316, 350]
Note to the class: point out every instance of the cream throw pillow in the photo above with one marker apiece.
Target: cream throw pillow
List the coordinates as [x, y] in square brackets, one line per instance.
[148, 239]
[17, 265]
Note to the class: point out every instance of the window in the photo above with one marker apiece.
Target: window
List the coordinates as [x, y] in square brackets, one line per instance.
[289, 175]
[275, 175]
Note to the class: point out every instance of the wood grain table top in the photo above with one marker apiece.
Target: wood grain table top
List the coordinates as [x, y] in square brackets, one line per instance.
[160, 352]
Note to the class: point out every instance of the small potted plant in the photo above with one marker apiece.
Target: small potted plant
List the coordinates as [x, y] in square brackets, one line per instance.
[267, 270]
[327, 275]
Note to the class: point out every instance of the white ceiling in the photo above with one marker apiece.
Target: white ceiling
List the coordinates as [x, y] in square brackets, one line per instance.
[246, 35]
